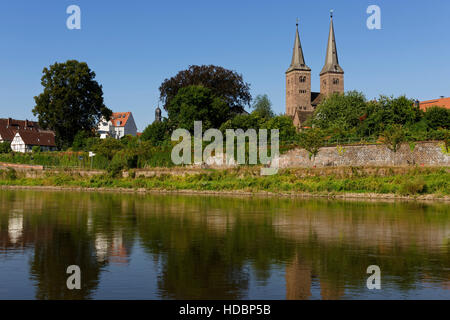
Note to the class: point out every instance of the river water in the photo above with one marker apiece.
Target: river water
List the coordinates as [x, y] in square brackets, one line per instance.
[131, 246]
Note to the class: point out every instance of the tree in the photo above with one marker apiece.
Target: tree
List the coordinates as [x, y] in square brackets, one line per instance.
[156, 133]
[108, 147]
[197, 103]
[342, 110]
[5, 147]
[312, 140]
[263, 106]
[223, 83]
[71, 101]
[437, 117]
[287, 131]
[393, 136]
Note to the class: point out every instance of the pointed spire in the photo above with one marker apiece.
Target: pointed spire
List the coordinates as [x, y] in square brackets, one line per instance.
[331, 60]
[298, 60]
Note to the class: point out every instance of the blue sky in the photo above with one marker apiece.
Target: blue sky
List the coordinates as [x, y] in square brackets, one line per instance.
[134, 45]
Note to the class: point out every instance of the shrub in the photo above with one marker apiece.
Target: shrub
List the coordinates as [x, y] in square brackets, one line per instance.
[5, 147]
[413, 186]
[393, 137]
[437, 117]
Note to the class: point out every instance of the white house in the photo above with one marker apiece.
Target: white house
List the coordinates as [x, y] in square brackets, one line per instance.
[120, 124]
[24, 141]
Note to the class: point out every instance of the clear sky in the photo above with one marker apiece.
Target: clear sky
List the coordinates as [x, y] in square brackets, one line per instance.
[134, 45]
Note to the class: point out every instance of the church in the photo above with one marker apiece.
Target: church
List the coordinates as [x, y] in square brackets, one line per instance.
[300, 101]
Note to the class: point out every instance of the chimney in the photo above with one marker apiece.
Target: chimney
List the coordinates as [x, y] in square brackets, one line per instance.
[9, 122]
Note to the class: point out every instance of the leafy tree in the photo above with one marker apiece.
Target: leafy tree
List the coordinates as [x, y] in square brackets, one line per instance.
[394, 136]
[223, 83]
[5, 147]
[399, 110]
[156, 133]
[71, 101]
[197, 103]
[263, 106]
[244, 122]
[312, 140]
[342, 110]
[108, 147]
[82, 140]
[288, 133]
[437, 117]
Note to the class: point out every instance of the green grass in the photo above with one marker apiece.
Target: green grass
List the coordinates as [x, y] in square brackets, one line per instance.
[413, 182]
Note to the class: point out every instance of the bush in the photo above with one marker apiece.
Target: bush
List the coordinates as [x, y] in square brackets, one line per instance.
[437, 117]
[36, 149]
[156, 134]
[5, 147]
[412, 186]
[393, 137]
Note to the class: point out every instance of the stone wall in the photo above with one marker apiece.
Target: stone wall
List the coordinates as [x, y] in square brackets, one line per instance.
[422, 154]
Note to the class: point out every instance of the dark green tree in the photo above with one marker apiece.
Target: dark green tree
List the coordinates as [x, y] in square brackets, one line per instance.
[197, 103]
[437, 117]
[5, 147]
[223, 83]
[72, 100]
[156, 133]
[287, 131]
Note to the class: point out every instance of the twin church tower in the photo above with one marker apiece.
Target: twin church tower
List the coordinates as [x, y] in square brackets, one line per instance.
[300, 101]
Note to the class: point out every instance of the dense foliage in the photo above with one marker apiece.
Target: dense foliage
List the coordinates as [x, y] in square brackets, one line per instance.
[197, 103]
[5, 147]
[350, 117]
[72, 100]
[225, 84]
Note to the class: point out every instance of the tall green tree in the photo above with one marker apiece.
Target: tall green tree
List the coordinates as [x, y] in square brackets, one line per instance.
[224, 83]
[197, 103]
[72, 101]
[263, 106]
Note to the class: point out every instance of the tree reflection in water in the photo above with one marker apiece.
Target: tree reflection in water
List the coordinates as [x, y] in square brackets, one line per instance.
[214, 247]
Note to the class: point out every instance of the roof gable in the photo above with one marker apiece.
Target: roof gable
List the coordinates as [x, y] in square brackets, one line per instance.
[120, 119]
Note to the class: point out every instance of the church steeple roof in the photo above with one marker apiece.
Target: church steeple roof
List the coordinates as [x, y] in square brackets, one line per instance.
[331, 60]
[298, 60]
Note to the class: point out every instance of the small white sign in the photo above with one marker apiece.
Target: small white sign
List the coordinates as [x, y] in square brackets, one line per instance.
[91, 154]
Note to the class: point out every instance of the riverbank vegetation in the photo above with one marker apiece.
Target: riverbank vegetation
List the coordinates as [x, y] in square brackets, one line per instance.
[413, 181]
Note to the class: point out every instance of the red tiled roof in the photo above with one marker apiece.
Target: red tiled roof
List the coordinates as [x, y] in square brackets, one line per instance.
[119, 119]
[38, 138]
[30, 131]
[443, 102]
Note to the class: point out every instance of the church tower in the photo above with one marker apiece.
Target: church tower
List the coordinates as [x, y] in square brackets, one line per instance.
[158, 117]
[298, 81]
[332, 75]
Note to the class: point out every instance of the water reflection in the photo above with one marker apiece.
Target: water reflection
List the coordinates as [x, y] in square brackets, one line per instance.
[200, 247]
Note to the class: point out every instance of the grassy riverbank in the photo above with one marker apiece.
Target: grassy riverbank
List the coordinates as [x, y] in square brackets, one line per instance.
[409, 182]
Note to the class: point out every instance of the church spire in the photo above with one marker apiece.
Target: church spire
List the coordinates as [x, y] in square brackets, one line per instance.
[298, 60]
[331, 60]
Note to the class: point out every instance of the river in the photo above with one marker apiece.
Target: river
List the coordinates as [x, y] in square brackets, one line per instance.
[141, 246]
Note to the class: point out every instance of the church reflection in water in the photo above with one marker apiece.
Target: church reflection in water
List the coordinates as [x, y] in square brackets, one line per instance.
[202, 247]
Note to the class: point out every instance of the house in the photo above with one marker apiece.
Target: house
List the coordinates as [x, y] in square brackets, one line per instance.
[120, 124]
[24, 141]
[442, 102]
[24, 135]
